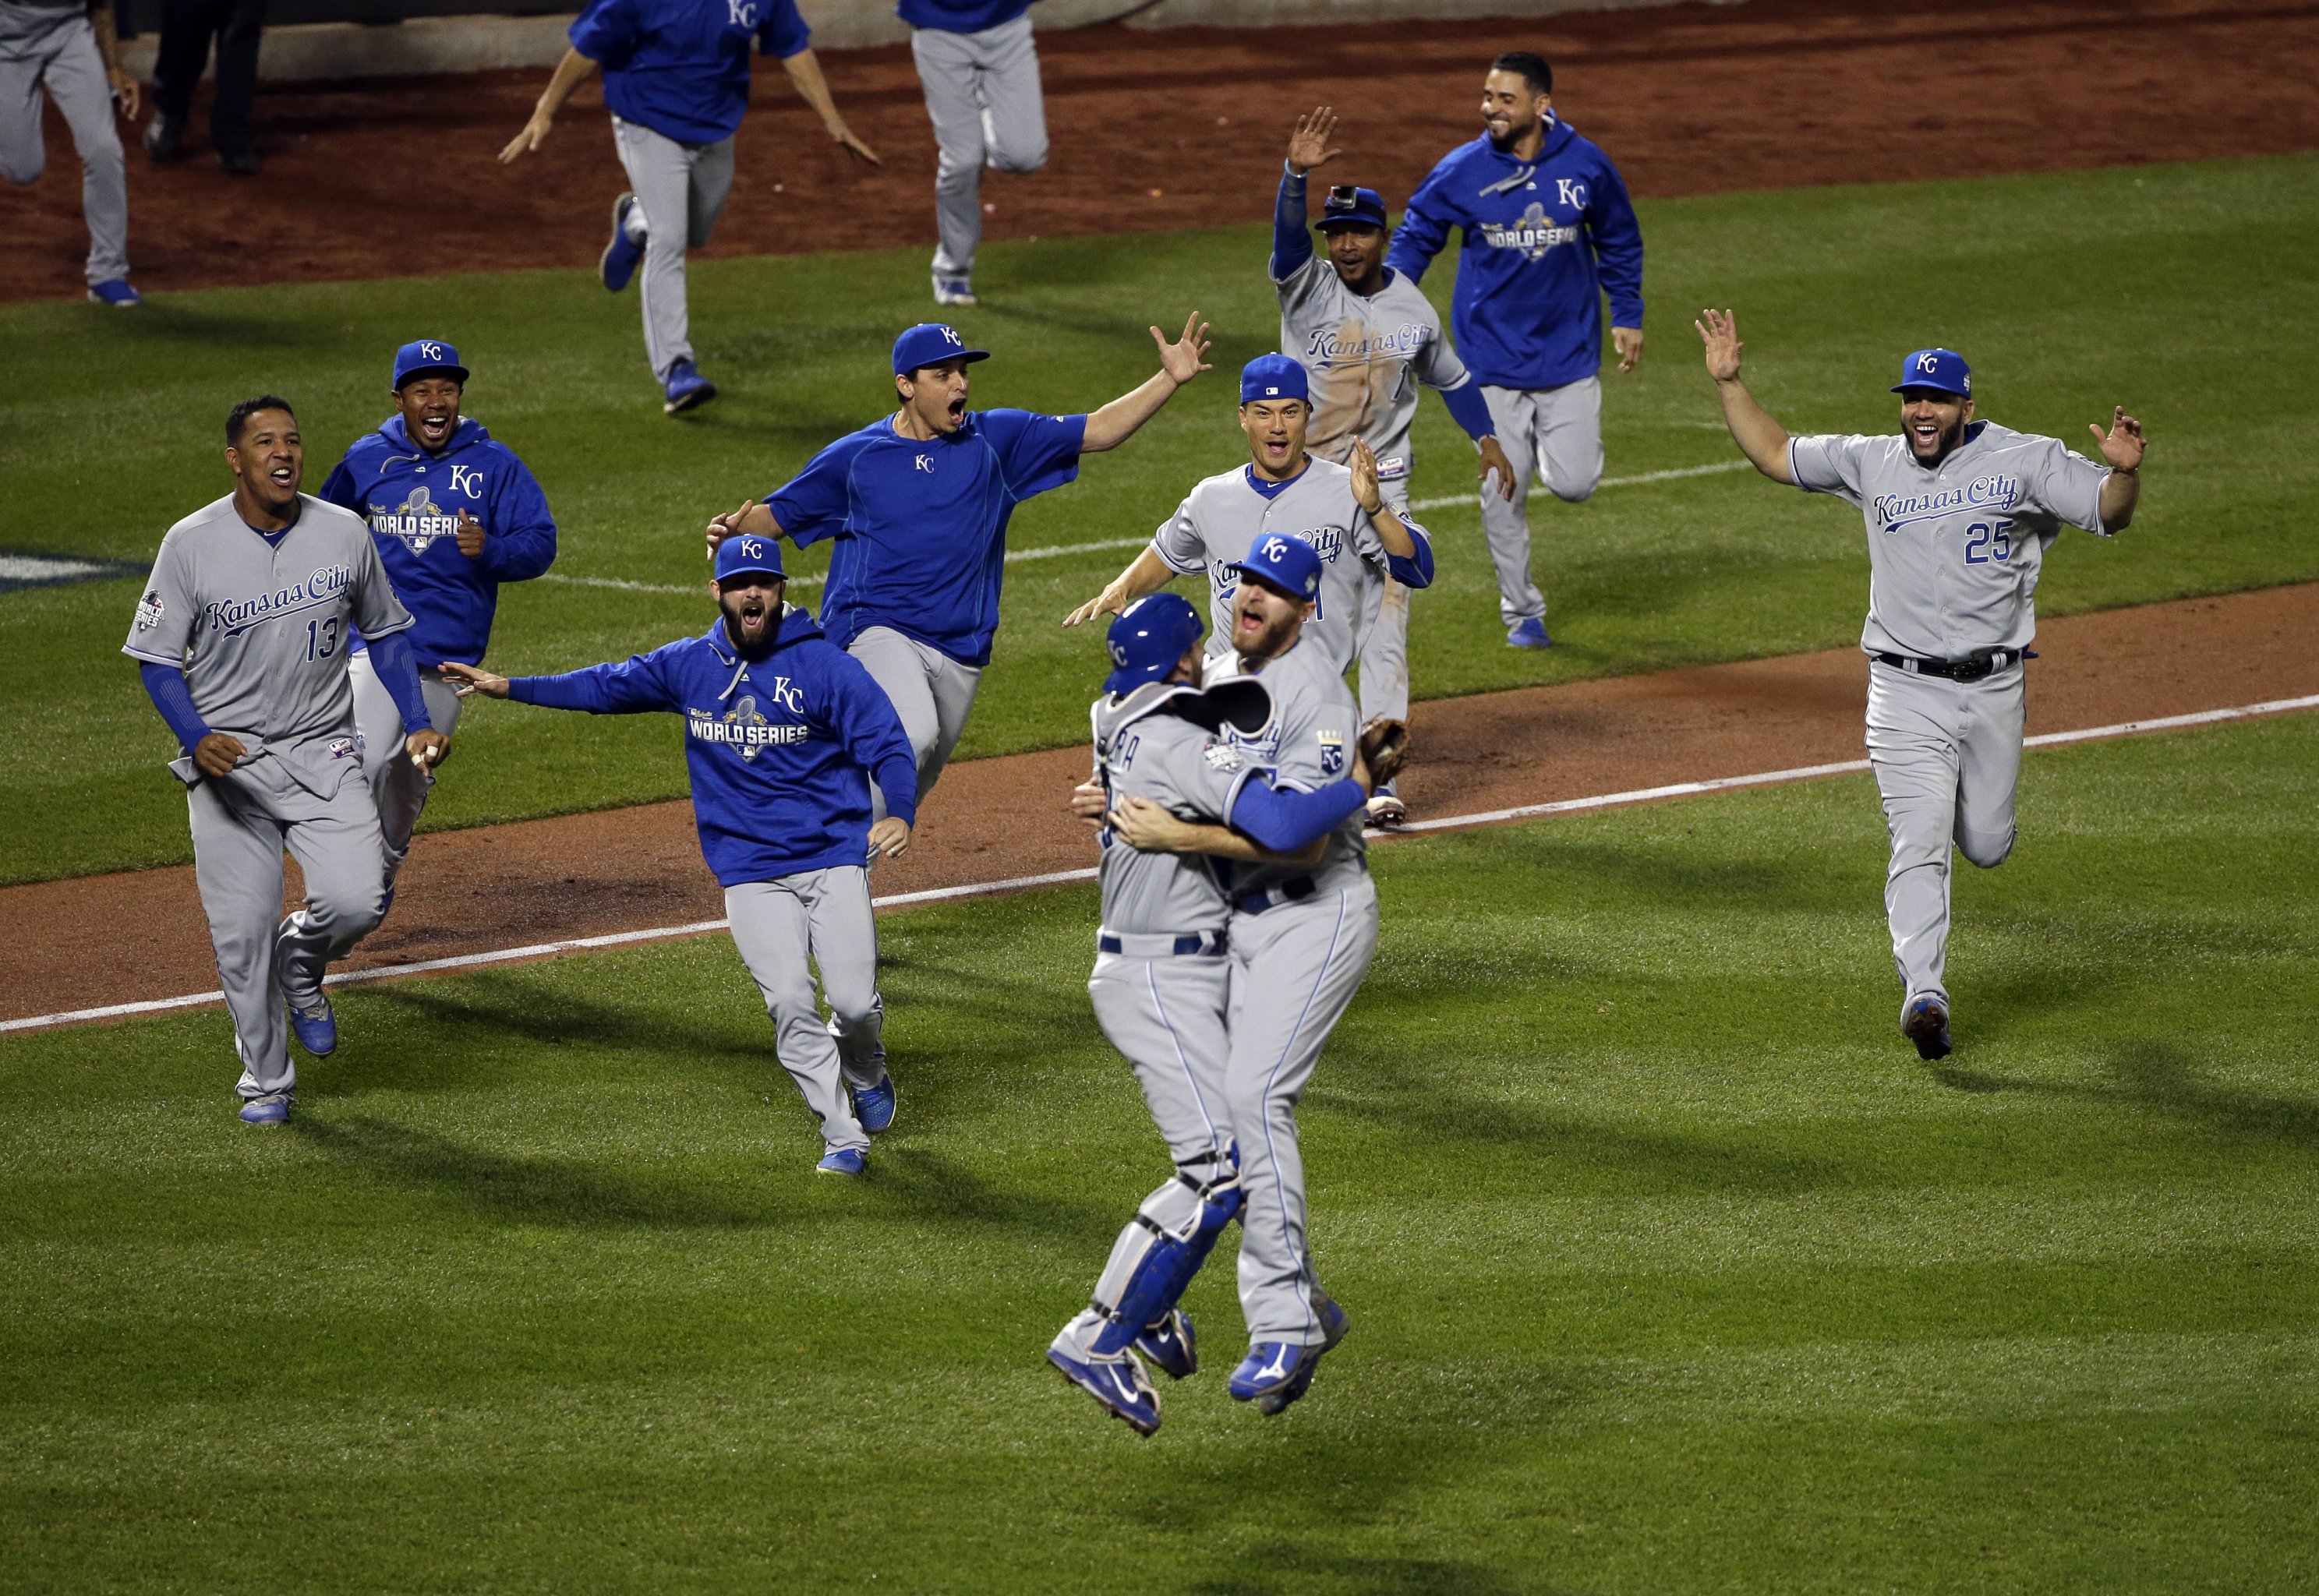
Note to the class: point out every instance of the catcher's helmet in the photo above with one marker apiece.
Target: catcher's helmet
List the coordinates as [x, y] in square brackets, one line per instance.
[1148, 638]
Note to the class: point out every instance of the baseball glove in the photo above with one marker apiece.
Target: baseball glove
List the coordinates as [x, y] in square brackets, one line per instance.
[1385, 748]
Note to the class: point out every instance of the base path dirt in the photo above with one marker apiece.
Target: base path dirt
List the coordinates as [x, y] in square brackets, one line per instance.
[999, 819]
[1184, 128]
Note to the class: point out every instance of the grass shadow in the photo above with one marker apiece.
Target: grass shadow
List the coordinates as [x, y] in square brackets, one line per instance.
[2157, 1077]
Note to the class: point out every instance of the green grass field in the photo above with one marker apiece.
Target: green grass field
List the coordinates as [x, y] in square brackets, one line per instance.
[2162, 286]
[1670, 1267]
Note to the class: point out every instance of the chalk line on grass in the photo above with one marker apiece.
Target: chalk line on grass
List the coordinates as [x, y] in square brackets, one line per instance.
[1608, 800]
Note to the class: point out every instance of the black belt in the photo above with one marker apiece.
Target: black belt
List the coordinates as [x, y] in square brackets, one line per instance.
[1159, 944]
[1980, 662]
[1296, 891]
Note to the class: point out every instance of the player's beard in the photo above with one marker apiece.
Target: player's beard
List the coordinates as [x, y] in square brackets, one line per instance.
[1946, 442]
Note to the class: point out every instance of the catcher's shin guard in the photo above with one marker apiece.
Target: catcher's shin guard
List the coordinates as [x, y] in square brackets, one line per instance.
[1164, 1245]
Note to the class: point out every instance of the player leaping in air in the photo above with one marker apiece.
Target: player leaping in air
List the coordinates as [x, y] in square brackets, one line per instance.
[918, 505]
[1367, 336]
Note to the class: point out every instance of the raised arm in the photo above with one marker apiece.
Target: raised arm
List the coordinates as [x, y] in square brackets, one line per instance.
[1759, 436]
[1179, 363]
[1308, 147]
[1145, 574]
[2121, 447]
[571, 72]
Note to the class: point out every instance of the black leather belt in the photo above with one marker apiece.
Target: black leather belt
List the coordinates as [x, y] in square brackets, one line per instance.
[1159, 945]
[1980, 662]
[1296, 891]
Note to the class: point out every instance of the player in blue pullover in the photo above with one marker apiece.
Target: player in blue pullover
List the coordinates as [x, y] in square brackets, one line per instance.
[782, 734]
[1547, 232]
[453, 515]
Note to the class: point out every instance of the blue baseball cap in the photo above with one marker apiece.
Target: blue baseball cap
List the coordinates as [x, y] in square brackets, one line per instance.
[1942, 370]
[930, 343]
[1148, 638]
[747, 553]
[424, 356]
[1274, 377]
[1284, 561]
[1351, 207]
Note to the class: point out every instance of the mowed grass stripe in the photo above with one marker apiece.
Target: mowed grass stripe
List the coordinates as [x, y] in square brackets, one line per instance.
[1671, 1266]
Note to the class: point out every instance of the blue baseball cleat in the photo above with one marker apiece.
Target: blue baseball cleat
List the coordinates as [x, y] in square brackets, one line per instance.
[117, 292]
[687, 388]
[1274, 1373]
[619, 262]
[1529, 634]
[843, 1160]
[1118, 1384]
[1171, 1345]
[317, 1030]
[1926, 1022]
[874, 1105]
[272, 1109]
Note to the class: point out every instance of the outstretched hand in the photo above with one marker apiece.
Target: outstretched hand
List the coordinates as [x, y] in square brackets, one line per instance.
[2123, 445]
[473, 679]
[1309, 146]
[1720, 333]
[1364, 465]
[1186, 358]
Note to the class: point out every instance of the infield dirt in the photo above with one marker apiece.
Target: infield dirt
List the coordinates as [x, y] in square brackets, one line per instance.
[1178, 128]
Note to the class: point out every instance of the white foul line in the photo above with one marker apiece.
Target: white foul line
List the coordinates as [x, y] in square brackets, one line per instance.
[1608, 800]
[1607, 481]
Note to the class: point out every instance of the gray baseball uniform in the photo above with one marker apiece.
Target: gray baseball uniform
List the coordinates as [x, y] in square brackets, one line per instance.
[259, 628]
[1553, 433]
[983, 96]
[1221, 517]
[825, 915]
[53, 47]
[1302, 939]
[680, 191]
[1953, 555]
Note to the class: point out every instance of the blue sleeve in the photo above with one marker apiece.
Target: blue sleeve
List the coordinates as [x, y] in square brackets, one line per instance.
[1469, 410]
[1036, 452]
[166, 686]
[1618, 247]
[398, 672]
[632, 686]
[522, 540]
[1292, 239]
[865, 721]
[1417, 573]
[813, 504]
[607, 32]
[1424, 228]
[339, 487]
[1285, 821]
[783, 32]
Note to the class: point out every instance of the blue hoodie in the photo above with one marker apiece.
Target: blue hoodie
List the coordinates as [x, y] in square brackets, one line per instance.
[412, 499]
[781, 748]
[1542, 243]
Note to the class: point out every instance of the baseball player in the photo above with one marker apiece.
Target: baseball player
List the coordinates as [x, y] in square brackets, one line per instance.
[918, 505]
[1959, 514]
[1367, 337]
[1341, 510]
[1161, 984]
[1548, 230]
[782, 732]
[676, 78]
[454, 515]
[241, 639]
[981, 73]
[70, 50]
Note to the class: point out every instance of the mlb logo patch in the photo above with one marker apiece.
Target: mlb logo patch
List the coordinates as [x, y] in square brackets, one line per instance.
[1332, 753]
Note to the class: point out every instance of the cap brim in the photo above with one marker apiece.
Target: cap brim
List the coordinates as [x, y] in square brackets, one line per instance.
[968, 355]
[725, 576]
[1327, 222]
[1935, 387]
[459, 372]
[1266, 577]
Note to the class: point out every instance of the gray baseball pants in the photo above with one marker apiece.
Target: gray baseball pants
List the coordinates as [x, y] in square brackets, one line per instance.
[1295, 967]
[930, 691]
[1555, 433]
[56, 50]
[1384, 634]
[822, 915]
[983, 96]
[1947, 756]
[399, 787]
[241, 823]
[680, 191]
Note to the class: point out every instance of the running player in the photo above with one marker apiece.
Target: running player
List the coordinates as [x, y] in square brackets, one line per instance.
[242, 640]
[1548, 230]
[980, 70]
[918, 505]
[70, 50]
[455, 514]
[676, 78]
[782, 734]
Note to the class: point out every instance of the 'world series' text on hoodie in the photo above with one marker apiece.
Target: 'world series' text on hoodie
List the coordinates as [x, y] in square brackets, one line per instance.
[412, 499]
[781, 748]
[1542, 243]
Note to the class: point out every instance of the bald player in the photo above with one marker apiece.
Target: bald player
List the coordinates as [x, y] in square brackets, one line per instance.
[1959, 512]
